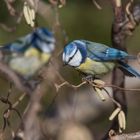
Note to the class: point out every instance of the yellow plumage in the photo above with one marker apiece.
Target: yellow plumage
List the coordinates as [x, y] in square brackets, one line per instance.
[30, 62]
[45, 57]
[33, 52]
[95, 67]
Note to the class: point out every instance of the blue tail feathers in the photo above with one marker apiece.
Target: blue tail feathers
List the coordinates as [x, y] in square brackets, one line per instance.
[128, 70]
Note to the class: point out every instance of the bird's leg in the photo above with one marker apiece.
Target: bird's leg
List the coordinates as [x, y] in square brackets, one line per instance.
[35, 81]
[30, 83]
[88, 78]
[10, 90]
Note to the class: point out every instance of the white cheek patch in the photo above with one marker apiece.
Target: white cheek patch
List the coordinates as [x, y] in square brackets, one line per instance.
[51, 46]
[68, 56]
[45, 48]
[76, 60]
[50, 39]
[73, 52]
[63, 57]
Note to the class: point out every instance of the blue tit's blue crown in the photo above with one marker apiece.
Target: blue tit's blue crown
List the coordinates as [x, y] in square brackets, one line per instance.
[43, 40]
[69, 48]
[44, 34]
[71, 51]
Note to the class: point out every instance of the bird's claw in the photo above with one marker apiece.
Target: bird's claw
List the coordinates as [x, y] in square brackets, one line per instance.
[88, 78]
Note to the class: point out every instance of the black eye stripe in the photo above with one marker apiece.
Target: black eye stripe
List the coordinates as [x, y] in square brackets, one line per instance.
[72, 56]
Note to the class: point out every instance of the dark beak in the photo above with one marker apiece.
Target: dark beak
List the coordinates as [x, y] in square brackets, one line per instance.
[65, 64]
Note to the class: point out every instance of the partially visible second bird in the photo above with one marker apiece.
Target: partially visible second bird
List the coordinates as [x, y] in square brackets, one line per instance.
[96, 59]
[28, 54]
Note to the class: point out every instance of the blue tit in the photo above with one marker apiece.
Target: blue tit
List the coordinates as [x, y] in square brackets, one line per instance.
[96, 59]
[28, 54]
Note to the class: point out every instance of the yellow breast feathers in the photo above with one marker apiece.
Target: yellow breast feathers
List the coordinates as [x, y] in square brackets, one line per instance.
[33, 52]
[95, 67]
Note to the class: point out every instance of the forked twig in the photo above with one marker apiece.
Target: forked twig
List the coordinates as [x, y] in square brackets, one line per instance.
[11, 107]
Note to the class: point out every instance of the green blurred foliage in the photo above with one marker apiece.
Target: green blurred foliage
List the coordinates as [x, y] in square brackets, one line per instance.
[80, 19]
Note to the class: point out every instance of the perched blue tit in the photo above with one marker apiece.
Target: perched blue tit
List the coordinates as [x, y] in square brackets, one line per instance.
[29, 53]
[96, 59]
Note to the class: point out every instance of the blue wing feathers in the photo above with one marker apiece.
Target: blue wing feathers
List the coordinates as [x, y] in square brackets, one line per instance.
[20, 45]
[101, 52]
[109, 54]
[129, 69]
[23, 43]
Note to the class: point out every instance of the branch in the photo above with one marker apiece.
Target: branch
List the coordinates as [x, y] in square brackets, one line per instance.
[30, 127]
[66, 83]
[98, 86]
[31, 119]
[14, 13]
[10, 7]
[70, 85]
[130, 136]
[125, 22]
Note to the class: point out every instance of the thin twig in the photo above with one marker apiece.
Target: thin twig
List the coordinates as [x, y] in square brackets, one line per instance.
[66, 83]
[69, 85]
[113, 100]
[123, 89]
[7, 28]
[19, 100]
[97, 5]
[10, 8]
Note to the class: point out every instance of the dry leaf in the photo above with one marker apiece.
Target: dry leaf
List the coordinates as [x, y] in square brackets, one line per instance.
[29, 14]
[99, 92]
[99, 82]
[122, 120]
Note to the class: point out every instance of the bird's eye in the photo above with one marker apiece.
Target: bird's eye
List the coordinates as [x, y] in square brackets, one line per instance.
[48, 42]
[72, 56]
[70, 59]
